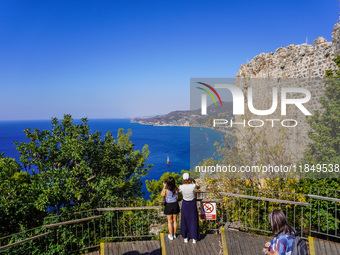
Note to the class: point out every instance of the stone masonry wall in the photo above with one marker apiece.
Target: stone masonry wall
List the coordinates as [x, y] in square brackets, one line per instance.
[301, 65]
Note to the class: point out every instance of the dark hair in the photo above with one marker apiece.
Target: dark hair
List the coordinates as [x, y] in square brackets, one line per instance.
[171, 185]
[279, 223]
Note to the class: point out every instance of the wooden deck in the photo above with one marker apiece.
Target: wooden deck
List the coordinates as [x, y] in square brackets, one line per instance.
[207, 245]
[133, 248]
[230, 242]
[325, 247]
[237, 242]
[93, 253]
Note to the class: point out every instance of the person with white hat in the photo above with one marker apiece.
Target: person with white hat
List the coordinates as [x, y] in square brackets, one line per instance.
[189, 214]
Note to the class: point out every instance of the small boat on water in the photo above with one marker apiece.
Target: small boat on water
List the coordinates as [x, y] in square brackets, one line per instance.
[168, 161]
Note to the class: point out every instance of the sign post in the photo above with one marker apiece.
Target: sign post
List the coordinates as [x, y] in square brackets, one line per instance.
[208, 211]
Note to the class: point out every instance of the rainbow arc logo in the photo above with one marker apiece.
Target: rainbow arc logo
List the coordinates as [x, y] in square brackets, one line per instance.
[204, 97]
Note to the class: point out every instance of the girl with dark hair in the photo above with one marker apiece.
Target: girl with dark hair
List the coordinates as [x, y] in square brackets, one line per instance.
[282, 243]
[171, 210]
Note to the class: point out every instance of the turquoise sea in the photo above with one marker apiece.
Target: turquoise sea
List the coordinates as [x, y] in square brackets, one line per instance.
[174, 142]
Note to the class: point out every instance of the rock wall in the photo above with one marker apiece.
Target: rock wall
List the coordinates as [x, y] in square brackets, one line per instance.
[336, 39]
[301, 65]
[295, 61]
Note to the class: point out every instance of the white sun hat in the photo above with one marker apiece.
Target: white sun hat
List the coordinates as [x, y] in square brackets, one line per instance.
[185, 176]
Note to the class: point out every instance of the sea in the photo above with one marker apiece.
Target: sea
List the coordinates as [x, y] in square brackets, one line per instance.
[183, 145]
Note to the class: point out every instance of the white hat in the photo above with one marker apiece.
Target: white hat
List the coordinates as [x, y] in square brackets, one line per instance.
[185, 176]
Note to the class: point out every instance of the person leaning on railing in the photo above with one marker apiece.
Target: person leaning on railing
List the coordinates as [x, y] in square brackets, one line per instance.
[189, 215]
[171, 210]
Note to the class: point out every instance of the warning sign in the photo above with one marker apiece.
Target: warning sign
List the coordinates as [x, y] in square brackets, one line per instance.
[208, 211]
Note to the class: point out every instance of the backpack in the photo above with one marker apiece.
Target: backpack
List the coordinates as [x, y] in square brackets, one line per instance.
[299, 245]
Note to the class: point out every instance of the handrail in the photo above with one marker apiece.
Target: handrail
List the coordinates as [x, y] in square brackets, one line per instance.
[72, 221]
[23, 241]
[57, 216]
[129, 208]
[28, 230]
[315, 187]
[324, 198]
[265, 199]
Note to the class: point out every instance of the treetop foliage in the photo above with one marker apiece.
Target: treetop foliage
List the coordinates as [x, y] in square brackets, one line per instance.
[67, 169]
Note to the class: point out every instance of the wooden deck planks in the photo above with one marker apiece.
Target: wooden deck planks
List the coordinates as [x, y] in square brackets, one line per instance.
[156, 248]
[249, 246]
[137, 247]
[233, 243]
[337, 248]
[179, 250]
[121, 249]
[214, 240]
[203, 246]
[231, 248]
[244, 243]
[117, 248]
[326, 247]
[93, 253]
[237, 242]
[333, 248]
[316, 246]
[207, 245]
[321, 247]
[212, 243]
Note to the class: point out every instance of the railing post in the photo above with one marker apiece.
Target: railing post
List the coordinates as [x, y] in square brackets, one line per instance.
[310, 217]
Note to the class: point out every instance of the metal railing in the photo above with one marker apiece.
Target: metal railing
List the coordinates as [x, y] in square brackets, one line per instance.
[248, 209]
[83, 231]
[324, 221]
[76, 231]
[9, 241]
[314, 214]
[131, 219]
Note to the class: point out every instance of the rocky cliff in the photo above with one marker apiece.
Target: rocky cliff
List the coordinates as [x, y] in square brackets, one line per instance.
[295, 61]
[302, 66]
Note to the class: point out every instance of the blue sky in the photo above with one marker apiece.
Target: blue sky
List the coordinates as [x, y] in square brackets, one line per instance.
[113, 59]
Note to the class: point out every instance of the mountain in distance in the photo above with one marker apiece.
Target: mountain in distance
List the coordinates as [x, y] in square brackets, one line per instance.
[189, 118]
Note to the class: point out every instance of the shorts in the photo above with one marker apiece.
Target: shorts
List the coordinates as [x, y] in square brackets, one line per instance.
[171, 208]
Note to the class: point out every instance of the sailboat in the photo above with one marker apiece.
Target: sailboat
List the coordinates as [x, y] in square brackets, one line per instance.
[168, 161]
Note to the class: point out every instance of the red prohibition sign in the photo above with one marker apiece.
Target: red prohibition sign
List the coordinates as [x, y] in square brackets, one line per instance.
[208, 207]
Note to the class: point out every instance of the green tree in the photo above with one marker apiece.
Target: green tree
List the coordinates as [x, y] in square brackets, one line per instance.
[65, 170]
[325, 125]
[74, 169]
[324, 149]
[17, 197]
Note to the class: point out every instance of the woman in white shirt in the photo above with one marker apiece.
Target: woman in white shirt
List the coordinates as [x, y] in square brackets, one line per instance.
[189, 215]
